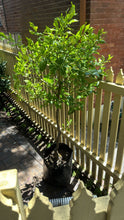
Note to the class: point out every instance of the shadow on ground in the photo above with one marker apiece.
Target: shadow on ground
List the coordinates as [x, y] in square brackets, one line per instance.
[17, 153]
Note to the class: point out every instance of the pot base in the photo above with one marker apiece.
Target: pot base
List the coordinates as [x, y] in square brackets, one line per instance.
[58, 171]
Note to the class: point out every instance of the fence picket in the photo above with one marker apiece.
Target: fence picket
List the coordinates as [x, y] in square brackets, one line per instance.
[104, 133]
[81, 132]
[83, 124]
[78, 156]
[63, 124]
[96, 129]
[114, 129]
[120, 77]
[78, 126]
[120, 151]
[90, 121]
[82, 160]
[89, 129]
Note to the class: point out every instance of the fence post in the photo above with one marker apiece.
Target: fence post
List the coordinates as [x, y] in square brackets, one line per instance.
[83, 206]
[116, 203]
[9, 187]
[39, 207]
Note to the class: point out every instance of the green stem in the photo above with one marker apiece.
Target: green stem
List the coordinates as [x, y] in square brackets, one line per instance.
[57, 112]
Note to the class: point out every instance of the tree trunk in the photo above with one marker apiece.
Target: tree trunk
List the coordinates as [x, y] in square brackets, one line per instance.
[58, 130]
[57, 112]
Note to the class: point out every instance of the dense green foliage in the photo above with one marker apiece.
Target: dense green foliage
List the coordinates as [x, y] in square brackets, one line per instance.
[69, 64]
[71, 59]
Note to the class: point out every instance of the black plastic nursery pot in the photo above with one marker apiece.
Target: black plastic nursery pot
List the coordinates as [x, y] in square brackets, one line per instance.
[58, 172]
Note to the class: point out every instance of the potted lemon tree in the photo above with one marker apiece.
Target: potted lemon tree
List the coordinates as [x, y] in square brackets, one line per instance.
[72, 58]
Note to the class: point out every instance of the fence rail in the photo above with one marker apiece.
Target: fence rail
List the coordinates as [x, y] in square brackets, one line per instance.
[96, 133]
[11, 45]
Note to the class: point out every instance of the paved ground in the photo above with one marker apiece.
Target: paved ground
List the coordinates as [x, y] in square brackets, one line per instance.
[17, 152]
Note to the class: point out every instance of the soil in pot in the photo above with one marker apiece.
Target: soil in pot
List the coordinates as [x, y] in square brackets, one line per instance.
[58, 170]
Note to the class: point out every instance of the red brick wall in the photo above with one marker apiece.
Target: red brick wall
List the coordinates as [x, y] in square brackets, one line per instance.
[110, 16]
[12, 15]
[41, 13]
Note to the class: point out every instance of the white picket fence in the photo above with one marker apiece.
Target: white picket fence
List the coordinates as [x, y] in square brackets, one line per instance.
[100, 155]
[81, 207]
[88, 149]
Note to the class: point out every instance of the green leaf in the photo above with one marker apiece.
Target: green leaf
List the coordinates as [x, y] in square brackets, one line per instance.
[39, 137]
[73, 21]
[48, 145]
[74, 174]
[79, 97]
[35, 28]
[3, 35]
[48, 80]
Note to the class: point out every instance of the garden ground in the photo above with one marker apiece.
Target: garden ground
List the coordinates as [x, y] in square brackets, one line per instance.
[17, 153]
